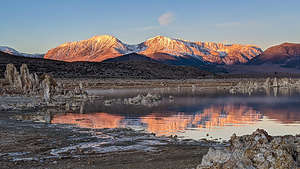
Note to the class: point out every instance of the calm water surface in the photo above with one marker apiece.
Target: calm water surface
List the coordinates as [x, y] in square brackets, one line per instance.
[194, 113]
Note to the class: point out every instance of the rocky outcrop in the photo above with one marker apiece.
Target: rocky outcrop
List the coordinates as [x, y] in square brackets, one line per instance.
[46, 86]
[258, 150]
[27, 83]
[12, 76]
[253, 85]
[245, 87]
[159, 48]
[23, 81]
[30, 82]
[44, 91]
[145, 100]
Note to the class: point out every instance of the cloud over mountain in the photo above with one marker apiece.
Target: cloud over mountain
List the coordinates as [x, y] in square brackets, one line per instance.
[166, 18]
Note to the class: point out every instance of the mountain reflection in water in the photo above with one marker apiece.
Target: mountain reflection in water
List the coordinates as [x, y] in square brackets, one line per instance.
[215, 116]
[94, 120]
[193, 114]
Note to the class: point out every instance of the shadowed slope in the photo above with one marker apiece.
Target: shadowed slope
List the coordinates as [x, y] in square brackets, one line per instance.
[286, 54]
[126, 69]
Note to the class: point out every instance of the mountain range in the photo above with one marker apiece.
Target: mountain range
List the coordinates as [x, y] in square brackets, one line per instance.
[12, 51]
[207, 56]
[286, 55]
[159, 48]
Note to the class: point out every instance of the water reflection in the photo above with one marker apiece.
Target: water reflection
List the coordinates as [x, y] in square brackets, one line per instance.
[212, 117]
[95, 120]
[208, 119]
[194, 112]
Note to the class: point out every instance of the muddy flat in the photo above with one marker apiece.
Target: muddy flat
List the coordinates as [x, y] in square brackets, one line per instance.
[25, 144]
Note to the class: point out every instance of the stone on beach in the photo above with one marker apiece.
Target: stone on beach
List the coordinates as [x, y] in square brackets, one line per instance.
[258, 150]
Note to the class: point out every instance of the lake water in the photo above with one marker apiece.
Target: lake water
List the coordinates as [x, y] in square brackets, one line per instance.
[193, 113]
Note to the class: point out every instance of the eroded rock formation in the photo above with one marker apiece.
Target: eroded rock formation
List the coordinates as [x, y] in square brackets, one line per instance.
[269, 84]
[27, 83]
[43, 90]
[23, 81]
[30, 82]
[12, 76]
[46, 85]
[258, 150]
[145, 100]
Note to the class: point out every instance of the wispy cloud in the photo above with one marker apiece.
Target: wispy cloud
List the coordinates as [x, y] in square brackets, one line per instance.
[163, 20]
[228, 24]
[166, 18]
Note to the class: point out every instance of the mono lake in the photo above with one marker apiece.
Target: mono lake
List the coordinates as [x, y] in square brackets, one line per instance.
[191, 112]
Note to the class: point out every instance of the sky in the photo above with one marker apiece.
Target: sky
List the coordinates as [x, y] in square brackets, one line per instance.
[35, 26]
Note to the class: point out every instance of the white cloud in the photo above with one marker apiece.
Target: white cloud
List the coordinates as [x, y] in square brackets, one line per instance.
[166, 18]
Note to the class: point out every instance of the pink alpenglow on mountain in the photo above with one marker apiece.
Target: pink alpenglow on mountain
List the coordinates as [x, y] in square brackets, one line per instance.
[281, 53]
[160, 48]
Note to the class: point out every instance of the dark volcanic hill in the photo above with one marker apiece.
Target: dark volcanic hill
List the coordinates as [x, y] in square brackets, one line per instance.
[286, 54]
[130, 57]
[132, 68]
[133, 57]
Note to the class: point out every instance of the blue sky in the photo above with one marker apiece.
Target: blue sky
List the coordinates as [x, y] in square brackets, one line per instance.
[35, 26]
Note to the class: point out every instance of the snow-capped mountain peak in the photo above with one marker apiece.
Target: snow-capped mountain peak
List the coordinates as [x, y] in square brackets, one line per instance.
[104, 38]
[160, 38]
[9, 50]
[12, 51]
